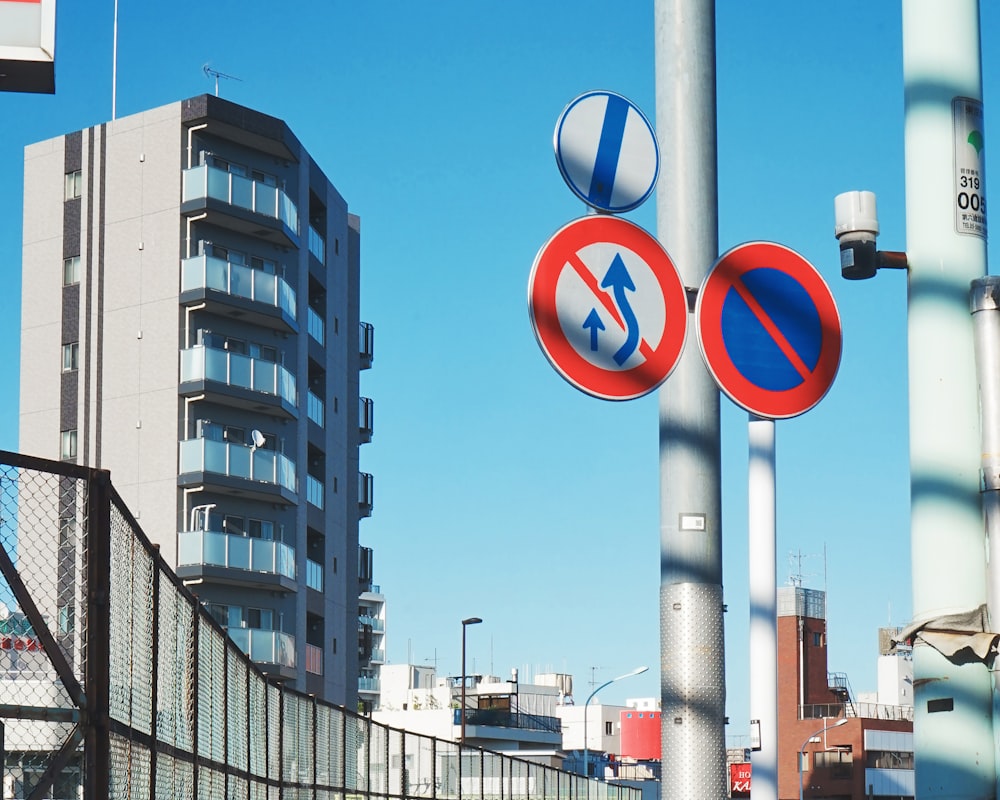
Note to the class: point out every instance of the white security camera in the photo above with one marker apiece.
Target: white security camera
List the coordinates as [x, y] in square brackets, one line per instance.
[856, 226]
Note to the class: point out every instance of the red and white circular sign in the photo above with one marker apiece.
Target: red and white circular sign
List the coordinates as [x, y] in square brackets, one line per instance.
[608, 307]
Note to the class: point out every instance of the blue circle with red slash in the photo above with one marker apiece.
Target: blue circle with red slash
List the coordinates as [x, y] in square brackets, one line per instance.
[769, 330]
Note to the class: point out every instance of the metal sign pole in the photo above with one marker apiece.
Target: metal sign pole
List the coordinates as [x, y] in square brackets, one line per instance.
[763, 644]
[692, 657]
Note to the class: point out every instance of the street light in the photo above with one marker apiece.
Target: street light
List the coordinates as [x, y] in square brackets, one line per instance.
[802, 750]
[586, 759]
[465, 624]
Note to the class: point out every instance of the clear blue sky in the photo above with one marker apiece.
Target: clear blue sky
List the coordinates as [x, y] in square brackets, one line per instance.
[501, 491]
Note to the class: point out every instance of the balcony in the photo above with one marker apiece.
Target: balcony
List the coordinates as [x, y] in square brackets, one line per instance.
[238, 470]
[235, 560]
[367, 345]
[315, 326]
[366, 494]
[245, 203]
[240, 291]
[273, 651]
[316, 409]
[315, 492]
[374, 623]
[370, 685]
[504, 718]
[252, 383]
[366, 408]
[317, 245]
[314, 659]
[314, 575]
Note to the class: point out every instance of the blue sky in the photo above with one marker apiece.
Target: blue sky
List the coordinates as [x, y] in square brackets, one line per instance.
[501, 491]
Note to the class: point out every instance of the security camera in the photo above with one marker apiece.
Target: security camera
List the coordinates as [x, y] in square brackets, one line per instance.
[856, 226]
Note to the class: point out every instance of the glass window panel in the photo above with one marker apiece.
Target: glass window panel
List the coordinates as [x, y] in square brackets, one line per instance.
[71, 270]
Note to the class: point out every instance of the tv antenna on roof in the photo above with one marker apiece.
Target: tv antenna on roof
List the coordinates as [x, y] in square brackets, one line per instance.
[214, 73]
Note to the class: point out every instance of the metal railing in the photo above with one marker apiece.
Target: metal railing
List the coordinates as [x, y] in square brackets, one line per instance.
[137, 692]
[859, 710]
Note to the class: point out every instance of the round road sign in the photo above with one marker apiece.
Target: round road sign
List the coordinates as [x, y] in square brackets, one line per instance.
[608, 307]
[607, 152]
[769, 330]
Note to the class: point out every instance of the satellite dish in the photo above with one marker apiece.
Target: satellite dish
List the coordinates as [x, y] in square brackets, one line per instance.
[257, 438]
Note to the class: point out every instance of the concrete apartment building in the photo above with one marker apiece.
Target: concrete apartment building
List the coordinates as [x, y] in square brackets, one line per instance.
[190, 322]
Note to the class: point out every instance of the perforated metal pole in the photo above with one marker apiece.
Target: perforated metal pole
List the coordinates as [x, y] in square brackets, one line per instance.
[692, 662]
[946, 251]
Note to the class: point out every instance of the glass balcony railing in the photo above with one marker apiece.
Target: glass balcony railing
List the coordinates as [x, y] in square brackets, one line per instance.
[265, 646]
[317, 245]
[316, 409]
[368, 684]
[314, 575]
[201, 363]
[314, 659]
[378, 655]
[366, 411]
[211, 548]
[236, 190]
[238, 461]
[366, 492]
[315, 491]
[206, 272]
[316, 326]
[367, 345]
[375, 623]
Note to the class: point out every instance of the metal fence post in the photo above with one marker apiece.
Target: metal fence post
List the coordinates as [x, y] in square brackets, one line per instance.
[98, 636]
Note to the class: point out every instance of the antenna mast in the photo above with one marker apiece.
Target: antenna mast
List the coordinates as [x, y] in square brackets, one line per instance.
[214, 73]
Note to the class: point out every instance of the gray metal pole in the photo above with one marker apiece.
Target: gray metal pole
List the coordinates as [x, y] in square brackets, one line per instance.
[942, 75]
[692, 660]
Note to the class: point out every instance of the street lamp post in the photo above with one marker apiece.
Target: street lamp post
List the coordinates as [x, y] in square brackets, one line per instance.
[802, 750]
[586, 706]
[465, 624]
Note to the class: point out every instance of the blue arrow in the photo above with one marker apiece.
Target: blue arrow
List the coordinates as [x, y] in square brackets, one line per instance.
[619, 280]
[593, 322]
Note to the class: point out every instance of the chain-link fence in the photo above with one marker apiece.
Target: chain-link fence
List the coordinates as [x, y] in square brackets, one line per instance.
[114, 683]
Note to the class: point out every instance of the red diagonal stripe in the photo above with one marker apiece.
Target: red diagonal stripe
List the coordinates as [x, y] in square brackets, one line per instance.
[775, 332]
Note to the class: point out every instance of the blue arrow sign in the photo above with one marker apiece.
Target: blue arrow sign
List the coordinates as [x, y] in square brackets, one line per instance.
[619, 280]
[593, 322]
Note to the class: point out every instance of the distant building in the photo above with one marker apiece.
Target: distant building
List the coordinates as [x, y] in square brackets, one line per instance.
[371, 634]
[505, 716]
[190, 322]
[845, 748]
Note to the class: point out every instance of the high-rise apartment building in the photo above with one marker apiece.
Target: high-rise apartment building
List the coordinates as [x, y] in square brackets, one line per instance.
[190, 322]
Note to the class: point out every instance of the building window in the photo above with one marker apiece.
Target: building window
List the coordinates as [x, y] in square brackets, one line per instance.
[71, 271]
[817, 639]
[74, 183]
[609, 728]
[67, 447]
[67, 619]
[71, 356]
[261, 618]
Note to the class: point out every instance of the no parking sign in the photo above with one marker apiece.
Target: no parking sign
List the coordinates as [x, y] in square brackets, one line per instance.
[769, 330]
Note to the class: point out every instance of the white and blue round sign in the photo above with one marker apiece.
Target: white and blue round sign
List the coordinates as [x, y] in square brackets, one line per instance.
[607, 152]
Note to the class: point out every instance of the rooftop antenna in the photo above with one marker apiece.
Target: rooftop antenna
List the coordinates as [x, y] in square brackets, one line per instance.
[214, 73]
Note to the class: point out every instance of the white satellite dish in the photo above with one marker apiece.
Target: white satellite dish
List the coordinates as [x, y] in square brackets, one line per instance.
[257, 438]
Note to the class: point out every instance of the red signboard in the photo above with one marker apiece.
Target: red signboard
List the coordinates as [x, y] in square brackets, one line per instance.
[739, 780]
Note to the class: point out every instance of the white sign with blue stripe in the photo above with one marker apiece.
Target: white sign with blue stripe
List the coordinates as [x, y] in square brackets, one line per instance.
[606, 150]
